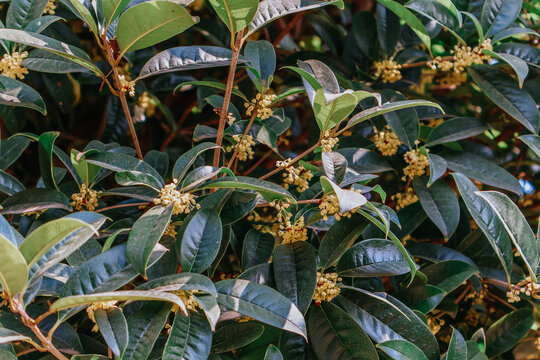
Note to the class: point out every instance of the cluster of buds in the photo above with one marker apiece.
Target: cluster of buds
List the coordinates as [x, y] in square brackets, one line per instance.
[50, 8]
[453, 78]
[261, 104]
[328, 142]
[266, 224]
[104, 305]
[11, 65]
[288, 231]
[127, 86]
[170, 230]
[86, 197]
[244, 145]
[183, 202]
[329, 205]
[405, 198]
[188, 299]
[230, 118]
[418, 163]
[524, 287]
[147, 103]
[327, 288]
[298, 176]
[388, 70]
[435, 324]
[386, 141]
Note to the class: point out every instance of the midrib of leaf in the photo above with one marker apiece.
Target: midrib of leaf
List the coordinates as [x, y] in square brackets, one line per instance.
[334, 329]
[329, 117]
[233, 30]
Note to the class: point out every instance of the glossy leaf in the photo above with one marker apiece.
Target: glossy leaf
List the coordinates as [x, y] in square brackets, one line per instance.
[401, 349]
[234, 335]
[9, 185]
[339, 238]
[17, 93]
[13, 268]
[113, 326]
[507, 331]
[499, 14]
[11, 149]
[533, 142]
[182, 164]
[190, 338]
[113, 8]
[236, 14]
[456, 129]
[457, 348]
[46, 145]
[268, 190]
[21, 12]
[257, 248]
[448, 275]
[423, 298]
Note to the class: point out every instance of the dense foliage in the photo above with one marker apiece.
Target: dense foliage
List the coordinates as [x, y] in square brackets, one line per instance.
[269, 179]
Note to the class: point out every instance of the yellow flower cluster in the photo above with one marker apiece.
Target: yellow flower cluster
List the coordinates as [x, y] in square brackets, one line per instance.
[405, 198]
[418, 163]
[147, 103]
[435, 324]
[230, 118]
[329, 206]
[87, 198]
[288, 231]
[526, 287]
[328, 142]
[267, 224]
[188, 299]
[387, 142]
[11, 65]
[50, 8]
[327, 288]
[105, 305]
[453, 78]
[244, 145]
[127, 86]
[426, 78]
[170, 230]
[183, 202]
[298, 176]
[389, 69]
[262, 105]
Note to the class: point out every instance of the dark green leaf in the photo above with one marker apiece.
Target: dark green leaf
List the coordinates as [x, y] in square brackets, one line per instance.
[497, 15]
[21, 12]
[456, 129]
[533, 142]
[182, 164]
[13, 269]
[450, 274]
[507, 331]
[401, 349]
[9, 185]
[257, 248]
[17, 93]
[268, 190]
[11, 149]
[423, 298]
[457, 348]
[190, 338]
[233, 335]
[114, 328]
[339, 238]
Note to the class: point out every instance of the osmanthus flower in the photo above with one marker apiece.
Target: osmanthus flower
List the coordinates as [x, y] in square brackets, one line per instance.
[328, 142]
[127, 86]
[11, 65]
[230, 118]
[245, 147]
[147, 103]
[326, 288]
[435, 324]
[388, 70]
[418, 163]
[183, 202]
[104, 305]
[50, 8]
[188, 299]
[298, 176]
[386, 141]
[170, 230]
[405, 198]
[289, 231]
[86, 197]
[524, 287]
[262, 104]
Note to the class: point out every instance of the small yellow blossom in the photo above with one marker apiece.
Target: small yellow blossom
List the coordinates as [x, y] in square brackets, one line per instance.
[472, 318]
[11, 65]
[183, 202]
[230, 118]
[188, 299]
[328, 142]
[405, 198]
[244, 145]
[87, 198]
[37, 213]
[435, 324]
[261, 104]
[170, 230]
[327, 288]
[50, 8]
[298, 176]
[524, 287]
[329, 206]
[463, 57]
[386, 141]
[453, 78]
[127, 86]
[418, 163]
[147, 103]
[291, 233]
[389, 69]
[104, 305]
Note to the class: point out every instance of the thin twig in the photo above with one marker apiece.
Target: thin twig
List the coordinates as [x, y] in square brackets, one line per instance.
[236, 148]
[258, 163]
[299, 157]
[123, 206]
[299, 202]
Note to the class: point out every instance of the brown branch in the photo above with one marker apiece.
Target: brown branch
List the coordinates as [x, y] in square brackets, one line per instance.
[227, 97]
[123, 206]
[288, 29]
[253, 116]
[299, 157]
[258, 163]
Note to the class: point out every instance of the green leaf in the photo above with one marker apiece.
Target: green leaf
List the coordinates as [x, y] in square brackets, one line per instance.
[212, 84]
[114, 328]
[182, 164]
[437, 167]
[474, 352]
[478, 168]
[233, 335]
[130, 178]
[519, 66]
[436, 253]
[43, 61]
[85, 11]
[236, 14]
[457, 348]
[533, 142]
[373, 257]
[512, 32]
[262, 303]
[507, 331]
[273, 353]
[21, 12]
[410, 19]
[39, 24]
[145, 234]
[295, 272]
[523, 51]
[401, 349]
[7, 336]
[330, 114]
[423, 298]
[270, 10]
[184, 58]
[387, 318]
[13, 268]
[42, 239]
[386, 108]
[454, 129]
[339, 238]
[46, 144]
[348, 199]
[516, 227]
[487, 221]
[497, 15]
[190, 338]
[238, 206]
[11, 149]
[334, 335]
[268, 190]
[503, 90]
[450, 274]
[440, 204]
[404, 123]
[17, 93]
[257, 248]
[9, 185]
[442, 11]
[34, 200]
[112, 9]
[51, 45]
[151, 22]
[182, 281]
[262, 57]
[201, 237]
[144, 327]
